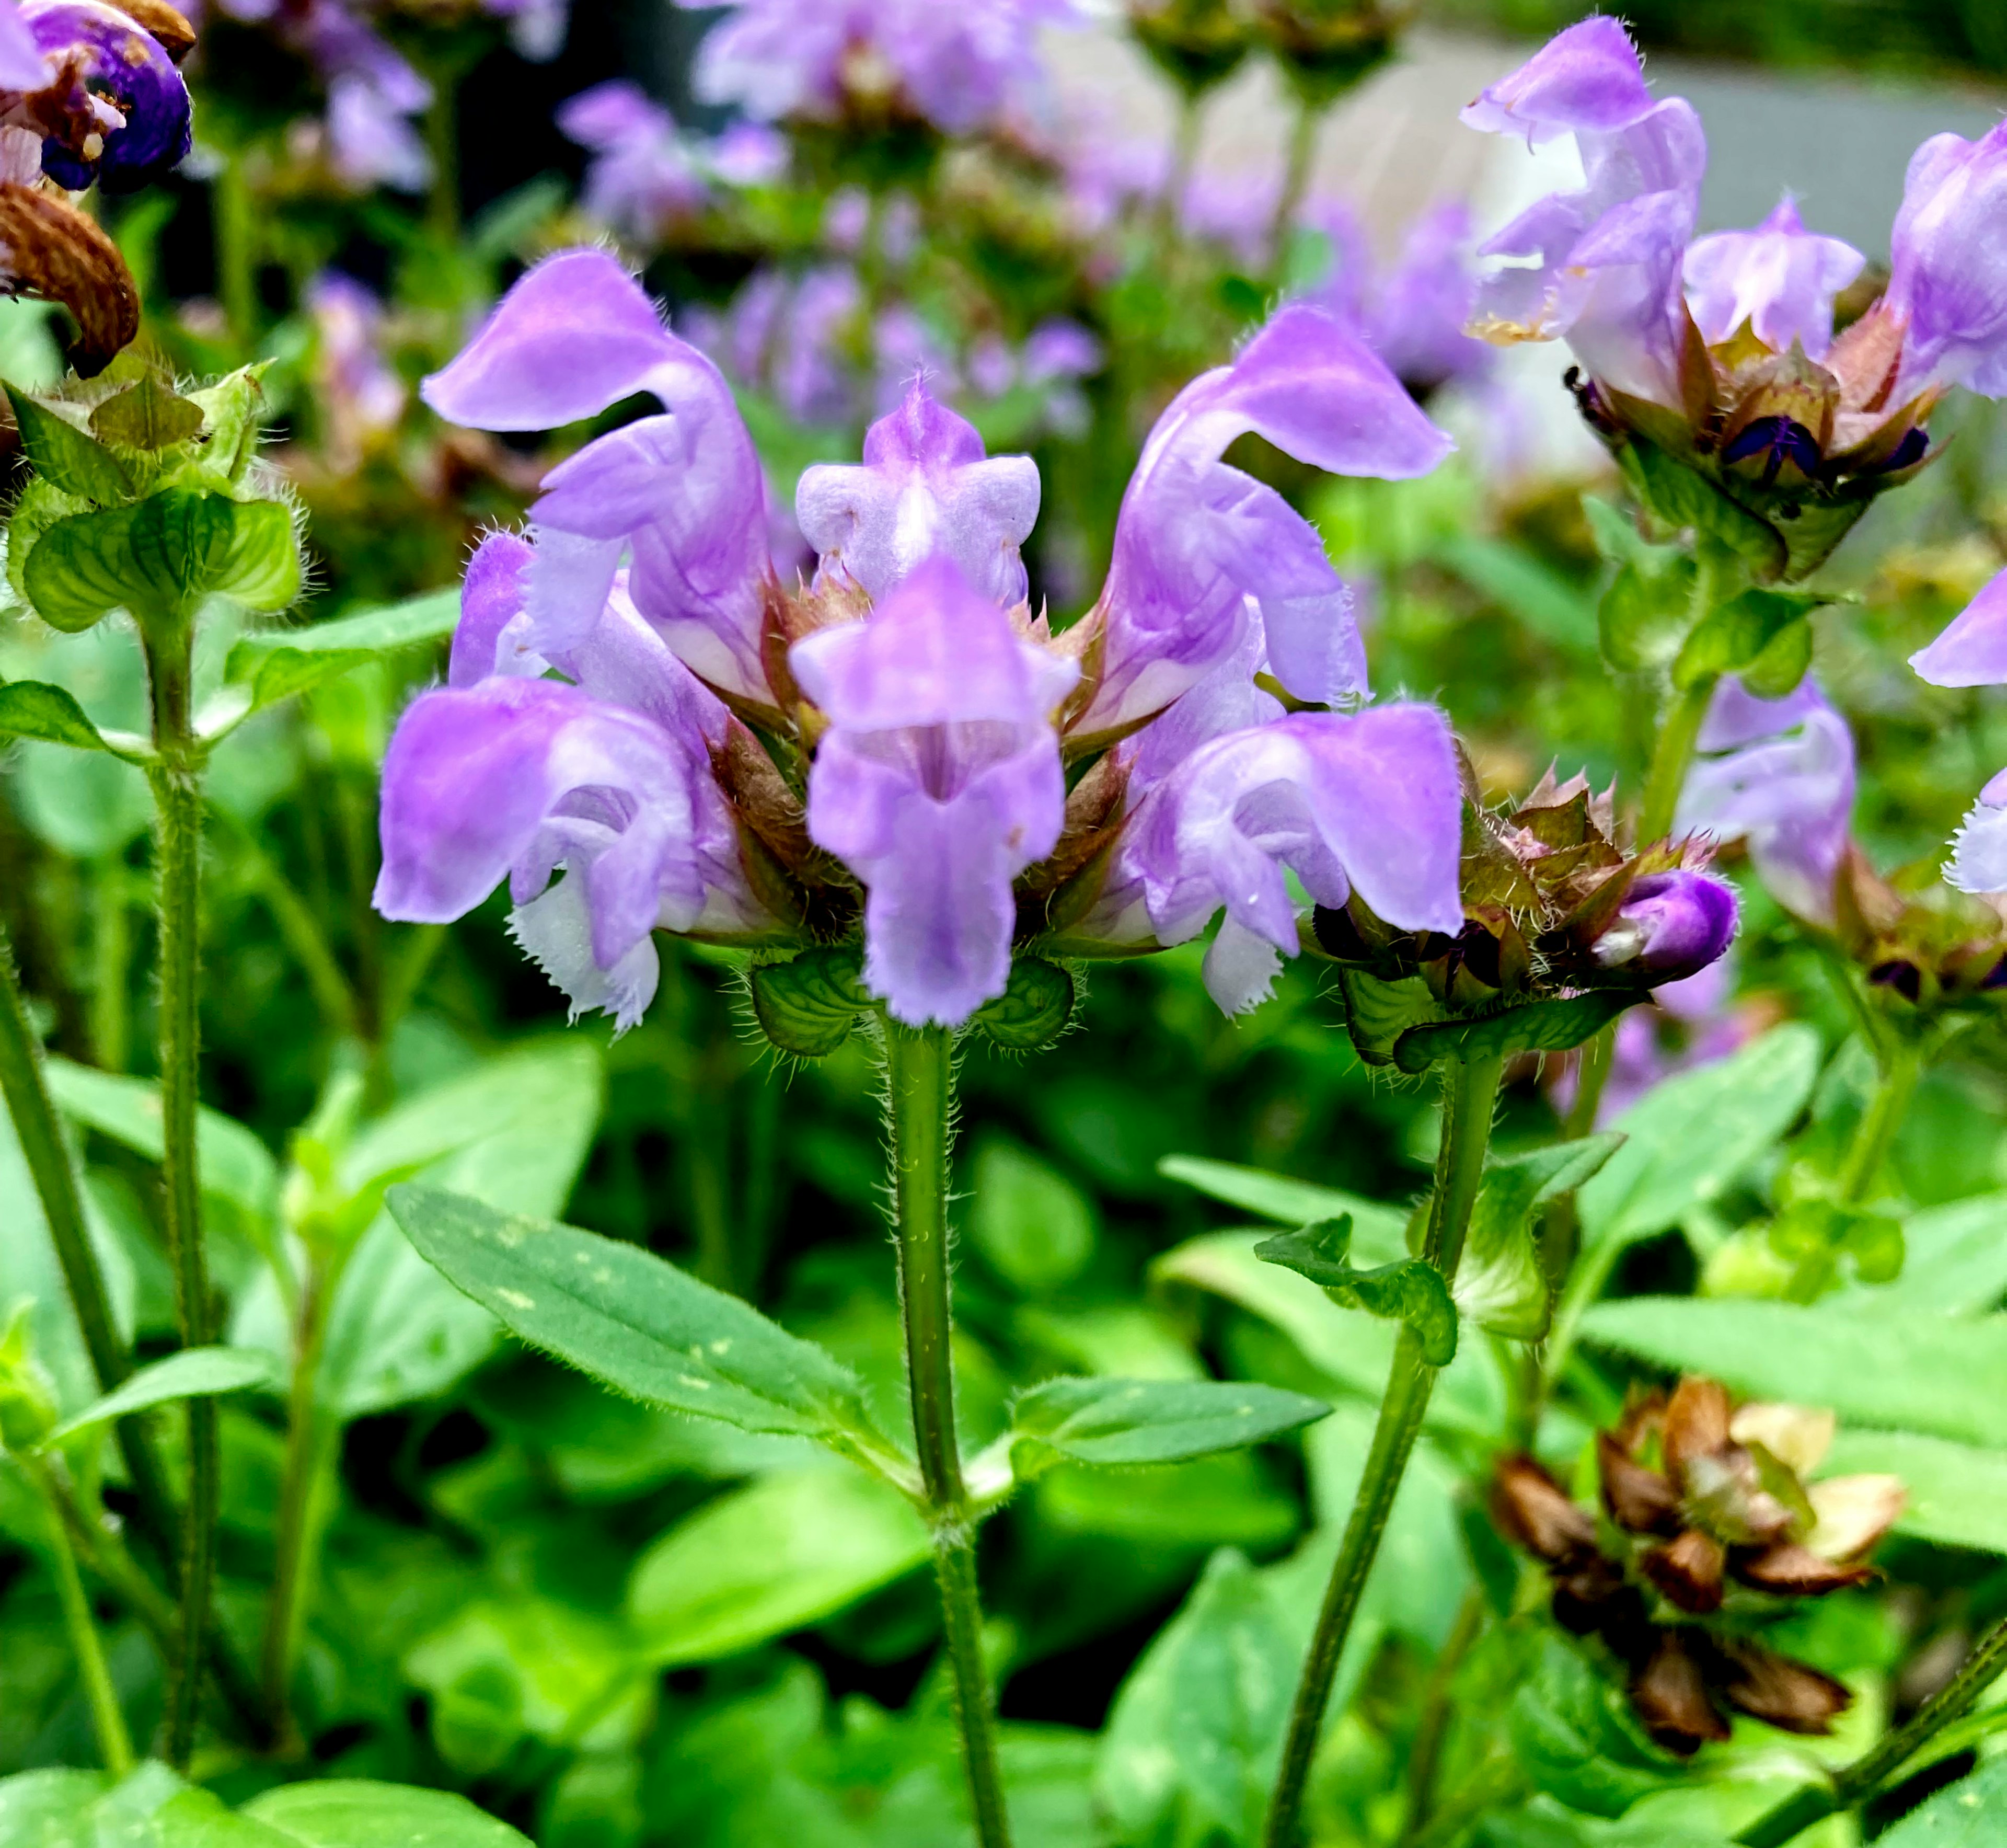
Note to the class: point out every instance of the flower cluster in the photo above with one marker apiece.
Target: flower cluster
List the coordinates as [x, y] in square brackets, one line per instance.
[89, 95]
[902, 750]
[1719, 354]
[1711, 1530]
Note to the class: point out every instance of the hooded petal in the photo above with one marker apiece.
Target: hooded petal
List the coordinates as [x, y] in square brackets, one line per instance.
[1587, 78]
[1972, 652]
[1779, 774]
[1949, 278]
[1195, 539]
[489, 637]
[924, 486]
[1779, 277]
[574, 335]
[1370, 801]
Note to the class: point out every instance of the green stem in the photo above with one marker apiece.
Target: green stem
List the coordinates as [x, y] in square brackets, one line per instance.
[1856, 1782]
[920, 1077]
[1425, 1757]
[236, 218]
[1898, 1070]
[1671, 758]
[115, 1744]
[39, 1131]
[1295, 183]
[110, 957]
[298, 927]
[1470, 1094]
[177, 782]
[299, 1496]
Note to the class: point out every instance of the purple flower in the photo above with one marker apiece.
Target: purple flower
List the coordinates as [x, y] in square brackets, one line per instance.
[22, 65]
[1369, 801]
[1606, 262]
[937, 783]
[955, 66]
[1972, 652]
[924, 486]
[1979, 851]
[536, 27]
[361, 396]
[1780, 278]
[503, 773]
[682, 491]
[132, 117]
[1778, 774]
[1196, 540]
[642, 177]
[1947, 284]
[1670, 926]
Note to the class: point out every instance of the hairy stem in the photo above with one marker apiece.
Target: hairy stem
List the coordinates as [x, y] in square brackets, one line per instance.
[177, 783]
[920, 1073]
[1897, 1071]
[115, 1744]
[1856, 1782]
[1671, 758]
[40, 1133]
[110, 957]
[236, 216]
[1470, 1093]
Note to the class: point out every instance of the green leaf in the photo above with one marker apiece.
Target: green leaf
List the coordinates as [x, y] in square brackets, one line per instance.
[151, 1808]
[350, 1813]
[1377, 1232]
[194, 1373]
[1378, 1013]
[234, 1165]
[1539, 599]
[1889, 1370]
[65, 457]
[1412, 1290]
[1678, 497]
[1574, 1736]
[1782, 662]
[34, 709]
[639, 1325]
[1954, 1493]
[1538, 1026]
[1500, 1284]
[277, 663]
[1195, 1733]
[783, 1553]
[1113, 1422]
[809, 1006]
[1643, 613]
[1034, 1228]
[149, 415]
[1034, 1009]
[1969, 1814]
[1692, 1136]
[261, 571]
[1733, 635]
[230, 410]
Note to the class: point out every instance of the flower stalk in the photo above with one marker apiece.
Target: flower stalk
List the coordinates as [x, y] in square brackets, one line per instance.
[1470, 1095]
[1855, 1783]
[176, 778]
[919, 1077]
[107, 1720]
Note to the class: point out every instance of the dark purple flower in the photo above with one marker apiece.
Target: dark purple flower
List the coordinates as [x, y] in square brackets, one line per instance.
[1778, 774]
[937, 783]
[1779, 278]
[1949, 281]
[1606, 272]
[1670, 926]
[124, 66]
[925, 486]
[1196, 540]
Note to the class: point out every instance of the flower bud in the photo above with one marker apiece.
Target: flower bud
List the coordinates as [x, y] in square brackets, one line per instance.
[1671, 926]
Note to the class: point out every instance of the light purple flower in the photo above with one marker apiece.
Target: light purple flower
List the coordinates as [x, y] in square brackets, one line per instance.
[1368, 801]
[683, 492]
[1779, 277]
[504, 773]
[958, 67]
[642, 177]
[360, 396]
[1972, 652]
[372, 141]
[1948, 282]
[938, 782]
[1979, 850]
[536, 27]
[1778, 774]
[1606, 273]
[924, 486]
[1196, 539]
[1694, 1014]
[22, 65]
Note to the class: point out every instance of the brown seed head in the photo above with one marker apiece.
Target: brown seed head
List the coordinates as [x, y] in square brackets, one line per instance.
[1638, 1498]
[1670, 1695]
[1688, 1570]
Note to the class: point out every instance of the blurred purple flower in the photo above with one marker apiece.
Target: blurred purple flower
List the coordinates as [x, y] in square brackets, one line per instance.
[361, 395]
[957, 66]
[536, 27]
[642, 177]
[937, 783]
[1778, 774]
[1685, 1025]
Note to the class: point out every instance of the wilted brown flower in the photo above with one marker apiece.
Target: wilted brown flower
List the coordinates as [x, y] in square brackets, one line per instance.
[1703, 1500]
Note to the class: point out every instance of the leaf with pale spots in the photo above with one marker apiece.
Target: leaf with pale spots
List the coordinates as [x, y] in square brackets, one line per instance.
[637, 1324]
[1148, 1421]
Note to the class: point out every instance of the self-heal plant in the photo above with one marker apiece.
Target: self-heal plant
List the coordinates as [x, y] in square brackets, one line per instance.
[899, 771]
